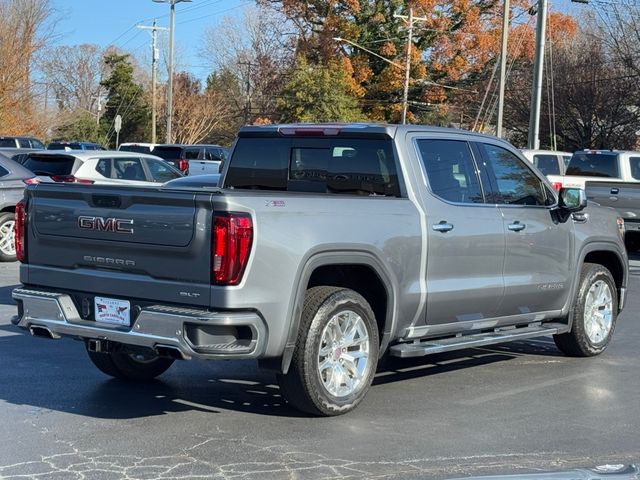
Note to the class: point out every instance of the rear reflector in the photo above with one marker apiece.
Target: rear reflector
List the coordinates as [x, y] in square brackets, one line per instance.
[232, 239]
[20, 227]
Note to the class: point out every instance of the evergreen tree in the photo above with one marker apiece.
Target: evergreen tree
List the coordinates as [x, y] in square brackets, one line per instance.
[126, 98]
[318, 93]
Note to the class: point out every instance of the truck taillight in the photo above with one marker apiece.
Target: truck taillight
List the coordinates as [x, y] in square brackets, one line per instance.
[20, 227]
[232, 238]
[183, 165]
[557, 186]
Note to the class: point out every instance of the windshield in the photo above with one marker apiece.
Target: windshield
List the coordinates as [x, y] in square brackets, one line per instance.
[587, 164]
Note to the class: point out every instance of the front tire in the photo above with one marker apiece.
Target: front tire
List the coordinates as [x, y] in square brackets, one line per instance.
[130, 366]
[7, 242]
[594, 314]
[335, 355]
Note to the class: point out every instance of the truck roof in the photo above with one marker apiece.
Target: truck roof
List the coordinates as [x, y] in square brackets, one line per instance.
[348, 129]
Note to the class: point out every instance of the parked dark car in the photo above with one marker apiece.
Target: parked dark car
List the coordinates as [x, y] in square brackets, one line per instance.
[74, 146]
[179, 155]
[20, 142]
[12, 183]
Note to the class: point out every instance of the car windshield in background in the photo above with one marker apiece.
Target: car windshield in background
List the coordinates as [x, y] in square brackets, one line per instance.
[168, 153]
[584, 164]
[50, 165]
[547, 164]
[135, 148]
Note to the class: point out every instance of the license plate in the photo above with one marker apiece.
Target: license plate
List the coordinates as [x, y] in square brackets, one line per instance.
[113, 311]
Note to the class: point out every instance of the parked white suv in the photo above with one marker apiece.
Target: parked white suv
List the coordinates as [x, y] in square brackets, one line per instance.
[102, 167]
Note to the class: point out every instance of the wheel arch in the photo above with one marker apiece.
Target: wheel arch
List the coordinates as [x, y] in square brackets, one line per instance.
[346, 269]
[611, 257]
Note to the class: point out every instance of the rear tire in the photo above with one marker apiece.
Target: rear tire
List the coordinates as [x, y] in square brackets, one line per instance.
[594, 314]
[7, 242]
[130, 366]
[335, 355]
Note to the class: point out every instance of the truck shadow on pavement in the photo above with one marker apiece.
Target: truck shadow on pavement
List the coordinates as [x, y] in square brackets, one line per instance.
[5, 295]
[58, 376]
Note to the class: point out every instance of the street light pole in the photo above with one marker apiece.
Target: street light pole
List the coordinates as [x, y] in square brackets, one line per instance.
[536, 90]
[172, 20]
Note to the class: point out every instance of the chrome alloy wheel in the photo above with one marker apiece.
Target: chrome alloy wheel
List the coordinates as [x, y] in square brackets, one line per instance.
[343, 359]
[598, 312]
[7, 245]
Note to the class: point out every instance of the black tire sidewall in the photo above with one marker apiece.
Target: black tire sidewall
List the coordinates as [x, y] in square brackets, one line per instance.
[593, 274]
[339, 301]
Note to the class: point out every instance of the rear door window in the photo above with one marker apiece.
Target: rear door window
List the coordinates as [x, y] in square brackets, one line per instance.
[547, 164]
[7, 143]
[128, 169]
[587, 164]
[215, 154]
[24, 143]
[192, 153]
[51, 164]
[451, 171]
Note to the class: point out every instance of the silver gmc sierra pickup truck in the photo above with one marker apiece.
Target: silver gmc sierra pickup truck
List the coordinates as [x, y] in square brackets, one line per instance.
[325, 248]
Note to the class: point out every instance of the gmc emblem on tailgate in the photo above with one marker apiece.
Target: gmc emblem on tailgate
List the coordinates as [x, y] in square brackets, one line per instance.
[117, 225]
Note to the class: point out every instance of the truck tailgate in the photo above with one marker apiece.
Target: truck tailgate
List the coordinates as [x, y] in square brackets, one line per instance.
[121, 241]
[623, 196]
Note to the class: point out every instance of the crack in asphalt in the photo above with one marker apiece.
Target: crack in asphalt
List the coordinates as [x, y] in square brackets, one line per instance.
[273, 462]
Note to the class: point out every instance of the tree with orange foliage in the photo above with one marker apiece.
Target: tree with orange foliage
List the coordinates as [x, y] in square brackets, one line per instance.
[20, 40]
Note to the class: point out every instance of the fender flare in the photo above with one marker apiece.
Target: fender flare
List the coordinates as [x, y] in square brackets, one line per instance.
[597, 246]
[341, 256]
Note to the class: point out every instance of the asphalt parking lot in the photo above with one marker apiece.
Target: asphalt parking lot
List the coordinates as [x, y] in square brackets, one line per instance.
[506, 409]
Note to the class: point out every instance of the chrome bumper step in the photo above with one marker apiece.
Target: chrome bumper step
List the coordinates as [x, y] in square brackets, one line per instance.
[426, 347]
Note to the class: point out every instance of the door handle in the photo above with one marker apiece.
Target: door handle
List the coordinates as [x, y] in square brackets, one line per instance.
[443, 227]
[615, 191]
[517, 226]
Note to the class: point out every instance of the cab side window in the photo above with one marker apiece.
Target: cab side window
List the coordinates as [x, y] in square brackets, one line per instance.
[451, 171]
[514, 183]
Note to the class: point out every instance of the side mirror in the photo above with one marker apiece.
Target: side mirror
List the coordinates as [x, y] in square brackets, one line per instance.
[572, 199]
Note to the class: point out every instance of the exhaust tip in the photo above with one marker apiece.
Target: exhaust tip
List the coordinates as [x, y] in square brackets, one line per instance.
[170, 352]
[39, 331]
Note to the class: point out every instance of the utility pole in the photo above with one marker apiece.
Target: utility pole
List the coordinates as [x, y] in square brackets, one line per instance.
[247, 103]
[154, 74]
[503, 66]
[410, 20]
[536, 90]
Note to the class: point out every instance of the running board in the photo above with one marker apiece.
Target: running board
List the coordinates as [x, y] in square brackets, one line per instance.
[426, 347]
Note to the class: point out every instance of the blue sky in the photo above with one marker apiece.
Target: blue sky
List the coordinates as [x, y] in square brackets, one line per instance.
[106, 22]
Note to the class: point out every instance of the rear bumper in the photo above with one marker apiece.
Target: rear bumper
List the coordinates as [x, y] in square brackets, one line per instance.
[194, 333]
